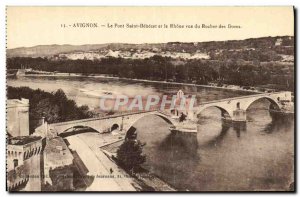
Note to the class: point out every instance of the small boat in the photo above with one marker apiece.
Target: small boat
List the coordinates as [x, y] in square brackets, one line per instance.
[180, 129]
[96, 93]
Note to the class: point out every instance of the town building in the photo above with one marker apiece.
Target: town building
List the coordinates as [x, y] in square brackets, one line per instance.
[24, 163]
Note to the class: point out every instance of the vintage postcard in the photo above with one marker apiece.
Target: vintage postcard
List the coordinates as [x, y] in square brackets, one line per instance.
[160, 99]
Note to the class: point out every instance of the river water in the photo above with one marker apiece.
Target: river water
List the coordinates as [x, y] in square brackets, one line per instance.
[220, 157]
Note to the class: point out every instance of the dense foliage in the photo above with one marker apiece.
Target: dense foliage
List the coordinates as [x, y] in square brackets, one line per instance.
[230, 71]
[55, 106]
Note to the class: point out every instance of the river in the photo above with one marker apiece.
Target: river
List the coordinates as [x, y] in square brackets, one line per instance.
[220, 157]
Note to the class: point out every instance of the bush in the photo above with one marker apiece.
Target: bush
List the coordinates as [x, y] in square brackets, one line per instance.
[130, 154]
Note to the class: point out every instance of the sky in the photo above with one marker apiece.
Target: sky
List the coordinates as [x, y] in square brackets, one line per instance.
[31, 26]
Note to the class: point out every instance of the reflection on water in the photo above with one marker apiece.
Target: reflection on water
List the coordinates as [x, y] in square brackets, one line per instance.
[217, 140]
[185, 144]
[257, 155]
[239, 127]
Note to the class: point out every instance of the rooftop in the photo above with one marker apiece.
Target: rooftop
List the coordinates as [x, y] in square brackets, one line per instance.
[57, 153]
[17, 102]
[21, 140]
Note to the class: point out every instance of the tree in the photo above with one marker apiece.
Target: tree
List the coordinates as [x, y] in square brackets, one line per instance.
[45, 108]
[55, 107]
[130, 154]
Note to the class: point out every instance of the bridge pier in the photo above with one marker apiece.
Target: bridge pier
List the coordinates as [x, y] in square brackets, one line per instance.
[239, 115]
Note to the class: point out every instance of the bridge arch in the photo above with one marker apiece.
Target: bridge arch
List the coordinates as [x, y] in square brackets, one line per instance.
[273, 102]
[131, 130]
[115, 127]
[77, 130]
[225, 113]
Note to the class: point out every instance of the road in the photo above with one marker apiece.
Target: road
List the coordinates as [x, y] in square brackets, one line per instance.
[108, 176]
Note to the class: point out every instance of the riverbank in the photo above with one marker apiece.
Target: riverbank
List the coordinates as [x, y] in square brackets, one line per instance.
[211, 85]
[153, 181]
[97, 153]
[148, 181]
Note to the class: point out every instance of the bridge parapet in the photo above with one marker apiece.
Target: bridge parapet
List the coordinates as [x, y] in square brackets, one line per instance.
[130, 121]
[102, 124]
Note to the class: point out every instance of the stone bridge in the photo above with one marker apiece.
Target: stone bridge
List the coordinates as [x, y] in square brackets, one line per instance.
[235, 108]
[121, 122]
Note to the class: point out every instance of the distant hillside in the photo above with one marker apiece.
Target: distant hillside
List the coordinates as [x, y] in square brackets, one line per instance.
[265, 62]
[277, 44]
[50, 50]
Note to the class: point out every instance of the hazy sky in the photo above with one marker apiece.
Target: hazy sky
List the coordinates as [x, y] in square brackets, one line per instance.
[30, 26]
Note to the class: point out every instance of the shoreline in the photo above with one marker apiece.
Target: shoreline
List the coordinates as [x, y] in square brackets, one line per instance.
[224, 87]
[144, 177]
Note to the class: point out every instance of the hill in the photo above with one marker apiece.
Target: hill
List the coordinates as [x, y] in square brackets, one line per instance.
[279, 44]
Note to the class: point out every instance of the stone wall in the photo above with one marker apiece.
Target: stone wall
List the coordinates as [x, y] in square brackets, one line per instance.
[17, 117]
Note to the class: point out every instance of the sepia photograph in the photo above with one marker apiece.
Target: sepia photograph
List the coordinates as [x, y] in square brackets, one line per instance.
[150, 99]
